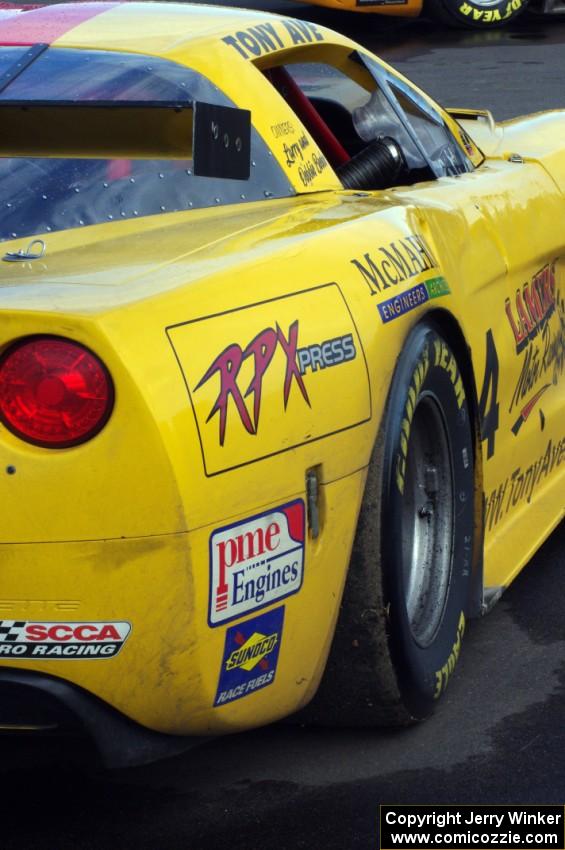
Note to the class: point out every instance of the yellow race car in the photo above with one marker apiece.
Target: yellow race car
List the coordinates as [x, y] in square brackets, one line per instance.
[281, 374]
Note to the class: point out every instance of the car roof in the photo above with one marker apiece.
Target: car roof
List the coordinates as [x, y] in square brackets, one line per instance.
[161, 28]
[225, 45]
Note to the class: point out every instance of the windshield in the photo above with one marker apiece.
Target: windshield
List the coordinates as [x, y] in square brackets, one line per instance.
[44, 194]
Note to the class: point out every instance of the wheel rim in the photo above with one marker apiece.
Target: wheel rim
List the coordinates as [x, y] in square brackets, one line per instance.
[427, 521]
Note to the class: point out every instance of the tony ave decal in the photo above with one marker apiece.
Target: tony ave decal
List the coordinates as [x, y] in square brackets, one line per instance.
[269, 37]
[256, 562]
[30, 639]
[520, 486]
[251, 653]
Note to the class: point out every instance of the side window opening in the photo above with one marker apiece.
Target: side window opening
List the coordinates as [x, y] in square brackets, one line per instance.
[354, 125]
[307, 110]
[372, 129]
[424, 122]
[443, 152]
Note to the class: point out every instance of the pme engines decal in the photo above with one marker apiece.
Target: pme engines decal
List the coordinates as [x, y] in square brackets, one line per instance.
[256, 562]
[258, 379]
[251, 653]
[23, 639]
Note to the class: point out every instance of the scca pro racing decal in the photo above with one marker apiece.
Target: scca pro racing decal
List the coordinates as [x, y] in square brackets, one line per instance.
[250, 656]
[256, 562]
[29, 639]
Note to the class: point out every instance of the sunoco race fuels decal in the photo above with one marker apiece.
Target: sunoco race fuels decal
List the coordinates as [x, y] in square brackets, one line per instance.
[256, 562]
[30, 639]
[250, 656]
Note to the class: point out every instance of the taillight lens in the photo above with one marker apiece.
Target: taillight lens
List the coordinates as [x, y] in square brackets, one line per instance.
[54, 392]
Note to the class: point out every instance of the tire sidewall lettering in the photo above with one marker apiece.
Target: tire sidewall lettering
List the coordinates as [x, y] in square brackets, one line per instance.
[427, 366]
[494, 15]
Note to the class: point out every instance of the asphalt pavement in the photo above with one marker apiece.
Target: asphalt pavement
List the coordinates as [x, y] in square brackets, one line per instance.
[498, 737]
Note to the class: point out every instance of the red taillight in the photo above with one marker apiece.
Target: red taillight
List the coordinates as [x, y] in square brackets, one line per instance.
[54, 392]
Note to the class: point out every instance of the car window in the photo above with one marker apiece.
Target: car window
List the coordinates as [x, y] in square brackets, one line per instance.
[318, 79]
[62, 74]
[425, 124]
[350, 122]
[441, 148]
[48, 194]
[9, 59]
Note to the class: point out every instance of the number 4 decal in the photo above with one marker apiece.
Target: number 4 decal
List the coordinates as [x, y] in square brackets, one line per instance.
[488, 404]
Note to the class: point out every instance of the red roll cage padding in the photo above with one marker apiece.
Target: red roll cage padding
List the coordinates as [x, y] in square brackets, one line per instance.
[309, 115]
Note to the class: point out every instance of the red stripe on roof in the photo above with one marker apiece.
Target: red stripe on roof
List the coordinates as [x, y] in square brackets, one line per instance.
[47, 24]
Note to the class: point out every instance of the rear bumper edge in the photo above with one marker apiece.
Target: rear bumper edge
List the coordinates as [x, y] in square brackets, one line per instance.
[120, 741]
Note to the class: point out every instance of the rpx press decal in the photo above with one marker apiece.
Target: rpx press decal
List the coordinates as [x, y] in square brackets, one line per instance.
[256, 562]
[259, 380]
[250, 656]
[30, 639]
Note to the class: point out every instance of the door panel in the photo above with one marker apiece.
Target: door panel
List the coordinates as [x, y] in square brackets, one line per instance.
[499, 234]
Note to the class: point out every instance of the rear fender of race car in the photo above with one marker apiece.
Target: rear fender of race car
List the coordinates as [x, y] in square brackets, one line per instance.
[106, 555]
[95, 535]
[173, 655]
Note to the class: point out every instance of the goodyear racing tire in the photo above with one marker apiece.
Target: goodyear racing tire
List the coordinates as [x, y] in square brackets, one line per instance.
[402, 615]
[475, 14]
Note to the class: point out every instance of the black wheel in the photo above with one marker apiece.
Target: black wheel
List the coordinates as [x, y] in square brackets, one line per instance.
[475, 14]
[402, 615]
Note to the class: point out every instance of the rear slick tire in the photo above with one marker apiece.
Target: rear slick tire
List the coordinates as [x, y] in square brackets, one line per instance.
[402, 614]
